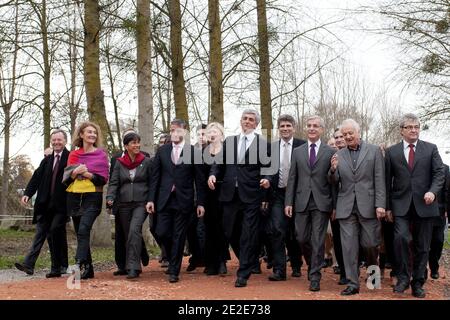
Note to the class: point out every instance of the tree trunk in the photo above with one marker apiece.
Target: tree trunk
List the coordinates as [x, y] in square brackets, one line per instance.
[144, 81]
[6, 165]
[179, 89]
[264, 69]
[101, 233]
[215, 62]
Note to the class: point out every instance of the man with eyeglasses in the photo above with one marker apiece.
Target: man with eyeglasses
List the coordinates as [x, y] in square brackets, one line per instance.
[414, 176]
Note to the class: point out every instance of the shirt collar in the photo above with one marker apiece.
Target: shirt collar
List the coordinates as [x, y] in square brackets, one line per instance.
[406, 144]
[290, 142]
[57, 154]
[249, 135]
[181, 145]
[317, 143]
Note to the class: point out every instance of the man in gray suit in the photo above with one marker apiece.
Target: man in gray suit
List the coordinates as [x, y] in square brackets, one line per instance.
[308, 180]
[358, 169]
[415, 176]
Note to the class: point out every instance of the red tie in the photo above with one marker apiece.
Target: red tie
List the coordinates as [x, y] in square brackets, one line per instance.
[54, 174]
[411, 157]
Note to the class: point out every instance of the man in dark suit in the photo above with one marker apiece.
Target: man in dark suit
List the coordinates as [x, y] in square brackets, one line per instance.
[439, 224]
[414, 178]
[176, 168]
[196, 229]
[244, 156]
[119, 236]
[308, 181]
[50, 213]
[281, 229]
[358, 172]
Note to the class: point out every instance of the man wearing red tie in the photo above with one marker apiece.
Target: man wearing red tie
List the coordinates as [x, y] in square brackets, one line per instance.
[414, 176]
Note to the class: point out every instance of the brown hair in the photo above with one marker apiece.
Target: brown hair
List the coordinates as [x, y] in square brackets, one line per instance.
[78, 142]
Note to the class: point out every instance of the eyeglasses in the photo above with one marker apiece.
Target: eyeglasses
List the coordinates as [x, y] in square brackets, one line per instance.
[417, 127]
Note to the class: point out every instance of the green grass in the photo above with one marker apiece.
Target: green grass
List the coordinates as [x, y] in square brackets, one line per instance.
[14, 244]
[447, 243]
[14, 234]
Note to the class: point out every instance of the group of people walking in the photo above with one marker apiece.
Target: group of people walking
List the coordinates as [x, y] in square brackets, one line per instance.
[246, 193]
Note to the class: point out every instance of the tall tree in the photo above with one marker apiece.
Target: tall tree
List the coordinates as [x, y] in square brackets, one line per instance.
[144, 75]
[264, 68]
[179, 89]
[215, 61]
[95, 104]
[94, 92]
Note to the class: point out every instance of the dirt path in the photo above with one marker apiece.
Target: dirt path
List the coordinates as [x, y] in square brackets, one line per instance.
[153, 284]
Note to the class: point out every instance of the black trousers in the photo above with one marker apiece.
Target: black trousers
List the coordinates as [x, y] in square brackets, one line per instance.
[281, 232]
[437, 243]
[407, 229]
[84, 208]
[53, 228]
[241, 225]
[336, 229]
[216, 247]
[132, 216]
[120, 242]
[172, 229]
[196, 240]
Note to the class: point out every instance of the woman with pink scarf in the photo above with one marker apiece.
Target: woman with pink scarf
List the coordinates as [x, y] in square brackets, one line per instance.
[86, 174]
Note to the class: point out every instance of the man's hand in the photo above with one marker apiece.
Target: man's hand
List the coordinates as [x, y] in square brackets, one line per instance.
[389, 216]
[200, 211]
[212, 182]
[334, 162]
[150, 207]
[380, 213]
[25, 200]
[264, 183]
[333, 215]
[429, 198]
[288, 211]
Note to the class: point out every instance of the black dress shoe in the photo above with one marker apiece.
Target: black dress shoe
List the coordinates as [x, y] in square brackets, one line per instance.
[400, 287]
[240, 282]
[314, 285]
[434, 274]
[191, 267]
[349, 291]
[269, 265]
[343, 281]
[212, 271]
[53, 274]
[276, 276]
[337, 270]
[173, 278]
[145, 260]
[164, 263]
[87, 272]
[133, 274]
[223, 269]
[296, 273]
[29, 271]
[257, 269]
[120, 272]
[418, 292]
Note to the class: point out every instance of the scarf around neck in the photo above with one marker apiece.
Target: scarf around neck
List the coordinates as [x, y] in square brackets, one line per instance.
[128, 163]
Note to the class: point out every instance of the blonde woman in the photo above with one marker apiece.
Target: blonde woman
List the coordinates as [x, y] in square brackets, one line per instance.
[86, 174]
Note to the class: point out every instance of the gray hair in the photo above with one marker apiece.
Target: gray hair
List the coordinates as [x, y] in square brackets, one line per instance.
[59, 131]
[352, 123]
[253, 111]
[408, 117]
[314, 117]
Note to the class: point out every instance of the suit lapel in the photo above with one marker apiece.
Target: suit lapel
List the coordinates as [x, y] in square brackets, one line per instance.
[319, 153]
[418, 153]
[399, 150]
[362, 154]
[347, 158]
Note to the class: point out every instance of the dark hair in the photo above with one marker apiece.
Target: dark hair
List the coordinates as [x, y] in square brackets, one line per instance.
[201, 126]
[132, 136]
[287, 118]
[59, 131]
[179, 122]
